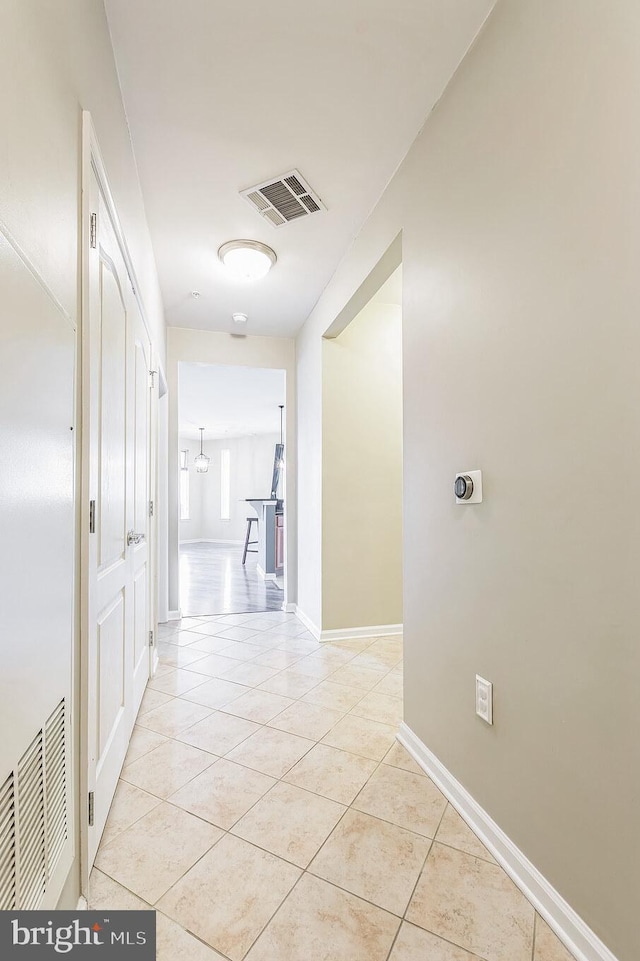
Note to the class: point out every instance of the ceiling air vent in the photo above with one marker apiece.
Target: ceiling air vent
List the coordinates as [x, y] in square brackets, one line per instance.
[285, 199]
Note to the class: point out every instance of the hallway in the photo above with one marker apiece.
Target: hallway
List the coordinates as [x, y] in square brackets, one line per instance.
[267, 812]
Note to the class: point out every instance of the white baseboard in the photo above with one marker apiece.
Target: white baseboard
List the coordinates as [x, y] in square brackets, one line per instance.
[211, 540]
[345, 634]
[173, 616]
[289, 608]
[578, 937]
[308, 623]
[348, 633]
[83, 904]
[264, 576]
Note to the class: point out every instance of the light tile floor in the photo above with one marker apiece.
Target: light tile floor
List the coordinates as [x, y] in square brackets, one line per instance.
[267, 812]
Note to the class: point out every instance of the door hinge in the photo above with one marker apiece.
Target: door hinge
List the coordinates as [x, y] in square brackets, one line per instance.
[150, 508]
[92, 517]
[94, 230]
[152, 375]
[91, 808]
[150, 638]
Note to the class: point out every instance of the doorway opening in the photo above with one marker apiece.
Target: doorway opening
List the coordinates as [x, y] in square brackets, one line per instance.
[232, 489]
[362, 490]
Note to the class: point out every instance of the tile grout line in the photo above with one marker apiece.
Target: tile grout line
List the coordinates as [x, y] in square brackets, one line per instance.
[263, 724]
[214, 710]
[424, 863]
[280, 779]
[404, 919]
[220, 757]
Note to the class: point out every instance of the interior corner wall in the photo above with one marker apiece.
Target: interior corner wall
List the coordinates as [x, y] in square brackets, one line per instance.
[208, 347]
[362, 472]
[521, 294]
[56, 60]
[309, 407]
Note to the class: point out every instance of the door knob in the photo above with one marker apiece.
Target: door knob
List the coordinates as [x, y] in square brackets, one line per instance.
[134, 538]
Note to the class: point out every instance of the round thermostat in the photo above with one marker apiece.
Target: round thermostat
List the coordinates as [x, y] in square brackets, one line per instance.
[463, 487]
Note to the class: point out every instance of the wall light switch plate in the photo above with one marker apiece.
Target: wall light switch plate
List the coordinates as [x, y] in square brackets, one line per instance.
[484, 699]
[476, 496]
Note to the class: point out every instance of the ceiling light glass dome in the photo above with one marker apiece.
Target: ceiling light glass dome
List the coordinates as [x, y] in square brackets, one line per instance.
[247, 259]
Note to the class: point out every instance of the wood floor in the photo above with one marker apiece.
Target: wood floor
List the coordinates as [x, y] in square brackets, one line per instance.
[213, 581]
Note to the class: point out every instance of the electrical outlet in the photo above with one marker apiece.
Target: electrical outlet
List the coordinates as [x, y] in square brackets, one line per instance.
[484, 699]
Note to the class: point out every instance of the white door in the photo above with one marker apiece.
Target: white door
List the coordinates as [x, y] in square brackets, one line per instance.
[117, 425]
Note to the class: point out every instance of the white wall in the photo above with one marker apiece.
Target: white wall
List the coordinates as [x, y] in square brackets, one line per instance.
[251, 468]
[309, 400]
[56, 60]
[362, 472]
[206, 347]
[518, 205]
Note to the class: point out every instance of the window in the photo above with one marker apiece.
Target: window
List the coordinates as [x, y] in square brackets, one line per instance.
[225, 485]
[184, 494]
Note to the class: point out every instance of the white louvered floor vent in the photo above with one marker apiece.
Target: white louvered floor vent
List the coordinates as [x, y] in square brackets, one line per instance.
[8, 887]
[31, 826]
[33, 817]
[55, 765]
[284, 199]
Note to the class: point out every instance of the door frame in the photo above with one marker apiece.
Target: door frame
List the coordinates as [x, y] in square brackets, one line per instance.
[92, 163]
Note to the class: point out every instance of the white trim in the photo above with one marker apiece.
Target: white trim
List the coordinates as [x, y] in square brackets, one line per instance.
[574, 933]
[347, 633]
[209, 540]
[173, 616]
[264, 575]
[82, 904]
[289, 608]
[308, 623]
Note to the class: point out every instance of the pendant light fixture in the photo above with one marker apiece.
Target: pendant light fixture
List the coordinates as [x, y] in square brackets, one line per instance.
[281, 460]
[201, 462]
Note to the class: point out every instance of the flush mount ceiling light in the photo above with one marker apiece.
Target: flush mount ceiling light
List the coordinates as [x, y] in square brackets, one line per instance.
[201, 462]
[239, 318]
[247, 259]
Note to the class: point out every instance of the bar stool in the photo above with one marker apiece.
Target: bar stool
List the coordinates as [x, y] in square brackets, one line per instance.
[247, 541]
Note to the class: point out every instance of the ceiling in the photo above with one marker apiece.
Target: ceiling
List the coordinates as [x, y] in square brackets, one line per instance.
[222, 95]
[229, 401]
